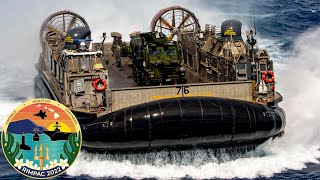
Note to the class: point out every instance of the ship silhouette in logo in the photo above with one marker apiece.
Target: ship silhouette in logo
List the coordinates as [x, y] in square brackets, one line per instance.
[36, 136]
[57, 135]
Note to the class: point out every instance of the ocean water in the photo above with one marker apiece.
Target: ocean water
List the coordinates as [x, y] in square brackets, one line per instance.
[55, 147]
[289, 29]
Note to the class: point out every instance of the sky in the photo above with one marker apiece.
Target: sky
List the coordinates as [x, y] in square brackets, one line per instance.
[29, 111]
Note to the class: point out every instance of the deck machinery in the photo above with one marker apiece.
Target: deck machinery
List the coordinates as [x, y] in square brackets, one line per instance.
[219, 54]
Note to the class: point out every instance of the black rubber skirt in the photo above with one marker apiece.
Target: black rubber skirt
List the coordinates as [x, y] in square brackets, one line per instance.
[186, 121]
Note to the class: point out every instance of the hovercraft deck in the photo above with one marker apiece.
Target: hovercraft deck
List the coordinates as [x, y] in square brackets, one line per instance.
[229, 98]
[123, 78]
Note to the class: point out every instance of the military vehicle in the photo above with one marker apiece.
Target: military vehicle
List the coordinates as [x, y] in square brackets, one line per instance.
[155, 59]
[230, 98]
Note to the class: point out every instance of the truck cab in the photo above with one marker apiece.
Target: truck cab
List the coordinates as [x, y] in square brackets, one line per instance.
[156, 60]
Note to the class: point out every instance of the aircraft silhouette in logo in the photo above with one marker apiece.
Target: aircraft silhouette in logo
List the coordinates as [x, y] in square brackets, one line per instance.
[41, 114]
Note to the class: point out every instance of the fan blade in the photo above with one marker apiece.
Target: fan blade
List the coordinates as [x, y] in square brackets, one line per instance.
[189, 24]
[64, 23]
[173, 19]
[171, 37]
[184, 20]
[163, 27]
[72, 23]
[50, 28]
[166, 23]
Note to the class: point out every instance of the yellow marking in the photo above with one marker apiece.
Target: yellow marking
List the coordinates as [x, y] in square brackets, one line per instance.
[98, 66]
[155, 97]
[68, 39]
[167, 96]
[230, 32]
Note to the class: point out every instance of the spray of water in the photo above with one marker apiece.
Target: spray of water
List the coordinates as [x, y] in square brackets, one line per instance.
[300, 85]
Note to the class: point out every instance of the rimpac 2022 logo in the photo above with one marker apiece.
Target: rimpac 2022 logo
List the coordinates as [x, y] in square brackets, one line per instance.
[41, 138]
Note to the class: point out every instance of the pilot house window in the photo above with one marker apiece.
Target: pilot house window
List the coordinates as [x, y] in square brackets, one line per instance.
[85, 63]
[263, 67]
[53, 67]
[73, 65]
[58, 71]
[97, 63]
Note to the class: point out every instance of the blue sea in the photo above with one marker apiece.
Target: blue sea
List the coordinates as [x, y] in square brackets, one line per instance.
[289, 29]
[55, 147]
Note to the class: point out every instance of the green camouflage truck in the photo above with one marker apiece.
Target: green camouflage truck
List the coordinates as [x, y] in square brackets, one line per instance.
[156, 60]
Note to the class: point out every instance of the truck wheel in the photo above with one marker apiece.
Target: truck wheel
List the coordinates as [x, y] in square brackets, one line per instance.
[118, 62]
[182, 81]
[139, 78]
[146, 80]
[134, 74]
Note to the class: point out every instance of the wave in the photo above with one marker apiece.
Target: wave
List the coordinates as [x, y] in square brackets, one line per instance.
[6, 108]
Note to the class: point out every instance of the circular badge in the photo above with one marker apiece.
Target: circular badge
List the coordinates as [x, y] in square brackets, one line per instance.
[41, 138]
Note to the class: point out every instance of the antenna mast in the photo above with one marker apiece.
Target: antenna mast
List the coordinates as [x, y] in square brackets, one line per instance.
[251, 40]
[254, 23]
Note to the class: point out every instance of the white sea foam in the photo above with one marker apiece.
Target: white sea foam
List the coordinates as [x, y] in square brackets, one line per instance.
[6, 107]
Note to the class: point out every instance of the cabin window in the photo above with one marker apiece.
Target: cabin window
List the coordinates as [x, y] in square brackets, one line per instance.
[170, 51]
[57, 71]
[241, 66]
[53, 67]
[270, 65]
[263, 67]
[244, 71]
[61, 73]
[73, 64]
[85, 63]
[97, 63]
[156, 52]
[241, 70]
[50, 63]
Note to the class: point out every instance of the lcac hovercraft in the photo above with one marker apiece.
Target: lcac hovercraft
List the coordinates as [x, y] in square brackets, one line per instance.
[230, 98]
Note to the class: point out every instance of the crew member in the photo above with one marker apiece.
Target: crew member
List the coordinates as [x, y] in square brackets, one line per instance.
[116, 49]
